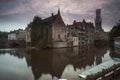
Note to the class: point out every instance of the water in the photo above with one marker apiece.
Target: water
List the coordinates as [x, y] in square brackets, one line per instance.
[19, 64]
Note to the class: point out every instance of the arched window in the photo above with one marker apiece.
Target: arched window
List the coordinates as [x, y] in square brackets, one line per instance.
[58, 36]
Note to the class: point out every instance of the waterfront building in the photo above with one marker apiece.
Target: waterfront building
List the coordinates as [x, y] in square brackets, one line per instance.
[84, 31]
[16, 35]
[48, 32]
[77, 30]
[90, 31]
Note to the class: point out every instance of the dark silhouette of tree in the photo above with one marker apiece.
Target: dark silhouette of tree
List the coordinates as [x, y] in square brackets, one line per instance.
[115, 32]
[40, 33]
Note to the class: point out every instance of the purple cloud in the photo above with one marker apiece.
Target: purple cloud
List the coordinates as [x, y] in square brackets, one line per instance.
[23, 11]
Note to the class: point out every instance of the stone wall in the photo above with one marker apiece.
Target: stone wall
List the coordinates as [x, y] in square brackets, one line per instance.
[60, 44]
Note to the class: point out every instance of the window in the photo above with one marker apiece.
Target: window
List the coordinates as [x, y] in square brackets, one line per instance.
[58, 36]
[67, 34]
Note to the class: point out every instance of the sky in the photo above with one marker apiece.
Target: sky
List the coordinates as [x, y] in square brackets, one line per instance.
[15, 14]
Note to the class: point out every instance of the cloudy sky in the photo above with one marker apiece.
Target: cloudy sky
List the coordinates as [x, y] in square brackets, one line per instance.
[16, 14]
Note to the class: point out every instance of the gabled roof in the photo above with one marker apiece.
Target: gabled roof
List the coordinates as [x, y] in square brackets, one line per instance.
[48, 20]
[77, 25]
[51, 19]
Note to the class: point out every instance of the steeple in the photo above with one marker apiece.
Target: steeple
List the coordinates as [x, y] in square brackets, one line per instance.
[58, 11]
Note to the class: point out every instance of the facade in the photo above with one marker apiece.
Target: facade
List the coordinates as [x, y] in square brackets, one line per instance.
[80, 32]
[12, 36]
[85, 32]
[90, 31]
[16, 35]
[48, 32]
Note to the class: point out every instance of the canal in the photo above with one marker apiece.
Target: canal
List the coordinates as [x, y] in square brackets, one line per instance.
[46, 64]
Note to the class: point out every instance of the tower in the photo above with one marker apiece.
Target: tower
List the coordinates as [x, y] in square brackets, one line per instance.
[98, 21]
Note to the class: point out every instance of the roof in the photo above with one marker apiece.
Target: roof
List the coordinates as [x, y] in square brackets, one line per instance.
[48, 20]
[15, 31]
[83, 24]
[98, 68]
[51, 19]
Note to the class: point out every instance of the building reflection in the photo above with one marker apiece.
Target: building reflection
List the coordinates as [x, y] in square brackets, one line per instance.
[99, 53]
[54, 61]
[19, 53]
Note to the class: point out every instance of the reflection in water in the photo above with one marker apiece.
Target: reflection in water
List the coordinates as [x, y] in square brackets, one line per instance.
[20, 53]
[14, 68]
[62, 63]
[56, 61]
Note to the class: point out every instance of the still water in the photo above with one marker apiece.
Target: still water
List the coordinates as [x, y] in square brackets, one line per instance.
[19, 64]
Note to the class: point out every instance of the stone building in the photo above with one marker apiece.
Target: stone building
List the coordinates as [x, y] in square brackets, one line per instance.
[90, 31]
[73, 39]
[84, 31]
[79, 31]
[16, 35]
[48, 32]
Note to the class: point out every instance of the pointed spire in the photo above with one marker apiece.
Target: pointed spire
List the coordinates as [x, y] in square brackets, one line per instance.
[58, 11]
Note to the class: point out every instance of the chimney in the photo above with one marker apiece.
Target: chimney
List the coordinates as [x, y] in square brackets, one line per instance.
[52, 14]
[74, 21]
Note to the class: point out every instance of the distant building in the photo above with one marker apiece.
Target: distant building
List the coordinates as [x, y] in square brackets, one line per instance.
[77, 30]
[90, 31]
[98, 21]
[16, 35]
[100, 35]
[84, 31]
[12, 36]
